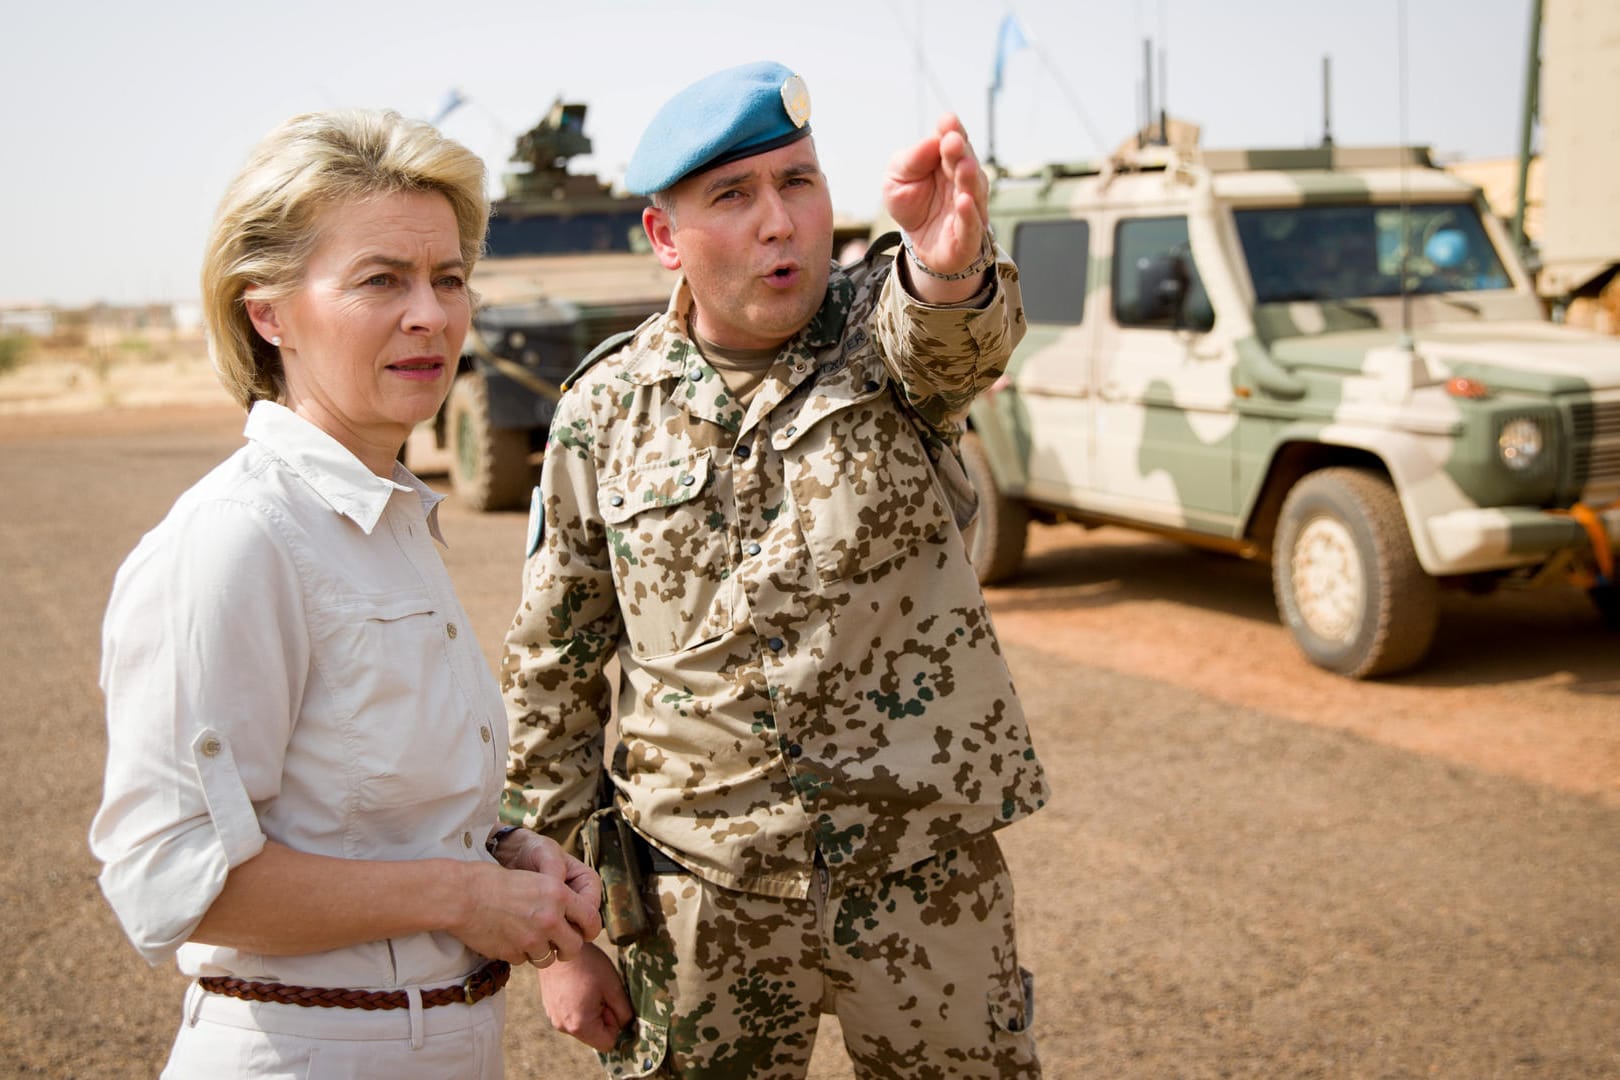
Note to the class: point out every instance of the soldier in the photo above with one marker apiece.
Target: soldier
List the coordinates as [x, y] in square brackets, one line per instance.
[753, 502]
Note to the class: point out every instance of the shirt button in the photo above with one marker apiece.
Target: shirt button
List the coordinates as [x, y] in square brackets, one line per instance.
[794, 750]
[741, 453]
[483, 733]
[790, 431]
[617, 500]
[871, 385]
[695, 375]
[210, 747]
[466, 839]
[688, 480]
[450, 629]
[776, 644]
[751, 548]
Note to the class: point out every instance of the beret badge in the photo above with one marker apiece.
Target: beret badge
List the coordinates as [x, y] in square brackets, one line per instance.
[796, 99]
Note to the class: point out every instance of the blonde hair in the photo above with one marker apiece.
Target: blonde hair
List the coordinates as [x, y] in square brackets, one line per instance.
[266, 227]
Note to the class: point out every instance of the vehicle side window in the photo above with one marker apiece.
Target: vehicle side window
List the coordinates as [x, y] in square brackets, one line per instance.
[1052, 258]
[1155, 281]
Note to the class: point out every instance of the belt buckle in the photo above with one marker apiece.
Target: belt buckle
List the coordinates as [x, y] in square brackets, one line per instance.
[472, 984]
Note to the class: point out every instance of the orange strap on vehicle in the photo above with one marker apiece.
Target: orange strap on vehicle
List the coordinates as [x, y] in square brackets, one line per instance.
[1587, 518]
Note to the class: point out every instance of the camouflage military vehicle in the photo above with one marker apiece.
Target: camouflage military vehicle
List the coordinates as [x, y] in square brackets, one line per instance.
[1266, 353]
[567, 265]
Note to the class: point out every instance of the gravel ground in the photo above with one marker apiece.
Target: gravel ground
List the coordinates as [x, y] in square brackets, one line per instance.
[1250, 868]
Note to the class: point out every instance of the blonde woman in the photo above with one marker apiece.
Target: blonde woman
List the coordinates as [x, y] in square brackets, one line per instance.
[306, 748]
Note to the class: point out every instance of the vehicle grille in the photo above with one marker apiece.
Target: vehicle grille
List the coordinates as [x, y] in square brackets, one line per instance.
[1595, 426]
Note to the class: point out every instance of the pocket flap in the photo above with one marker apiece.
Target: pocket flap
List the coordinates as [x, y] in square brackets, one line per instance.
[639, 1052]
[387, 607]
[664, 483]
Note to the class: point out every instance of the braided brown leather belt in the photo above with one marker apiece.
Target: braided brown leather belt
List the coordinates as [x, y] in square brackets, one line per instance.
[483, 983]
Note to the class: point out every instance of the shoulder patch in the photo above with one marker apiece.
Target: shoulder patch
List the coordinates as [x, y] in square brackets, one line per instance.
[537, 525]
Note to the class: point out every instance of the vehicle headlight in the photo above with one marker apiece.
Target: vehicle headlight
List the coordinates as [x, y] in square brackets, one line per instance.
[1520, 443]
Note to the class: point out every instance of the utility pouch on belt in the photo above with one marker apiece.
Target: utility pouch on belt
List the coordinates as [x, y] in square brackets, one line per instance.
[611, 850]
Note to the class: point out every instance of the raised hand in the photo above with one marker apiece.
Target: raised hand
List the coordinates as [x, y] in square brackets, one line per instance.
[939, 196]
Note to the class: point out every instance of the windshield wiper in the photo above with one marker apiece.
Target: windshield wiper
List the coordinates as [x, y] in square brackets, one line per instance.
[1350, 306]
[1456, 301]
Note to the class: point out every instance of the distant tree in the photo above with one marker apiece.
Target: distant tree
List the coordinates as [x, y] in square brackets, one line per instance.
[13, 350]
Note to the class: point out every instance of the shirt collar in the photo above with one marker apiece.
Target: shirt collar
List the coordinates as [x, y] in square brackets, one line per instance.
[332, 470]
[679, 356]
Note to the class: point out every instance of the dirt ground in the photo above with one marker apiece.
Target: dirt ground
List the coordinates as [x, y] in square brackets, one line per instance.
[1250, 867]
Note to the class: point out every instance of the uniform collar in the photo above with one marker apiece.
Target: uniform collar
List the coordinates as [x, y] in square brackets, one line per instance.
[332, 471]
[673, 355]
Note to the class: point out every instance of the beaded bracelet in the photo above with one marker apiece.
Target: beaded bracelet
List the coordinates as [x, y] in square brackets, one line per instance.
[986, 259]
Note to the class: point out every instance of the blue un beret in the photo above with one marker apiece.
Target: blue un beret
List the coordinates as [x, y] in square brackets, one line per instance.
[731, 114]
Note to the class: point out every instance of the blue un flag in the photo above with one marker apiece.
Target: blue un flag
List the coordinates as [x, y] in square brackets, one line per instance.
[1008, 41]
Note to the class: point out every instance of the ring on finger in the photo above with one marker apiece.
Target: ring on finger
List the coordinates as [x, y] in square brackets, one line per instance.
[546, 960]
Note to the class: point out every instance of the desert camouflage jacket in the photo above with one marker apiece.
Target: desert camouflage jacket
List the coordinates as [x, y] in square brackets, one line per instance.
[806, 662]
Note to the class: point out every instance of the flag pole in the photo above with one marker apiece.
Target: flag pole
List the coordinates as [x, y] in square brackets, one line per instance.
[990, 127]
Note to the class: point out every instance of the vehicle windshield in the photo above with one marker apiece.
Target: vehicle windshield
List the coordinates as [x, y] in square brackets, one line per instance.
[1327, 253]
[564, 234]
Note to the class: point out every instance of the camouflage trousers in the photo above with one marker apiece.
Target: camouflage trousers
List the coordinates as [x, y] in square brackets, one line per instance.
[920, 967]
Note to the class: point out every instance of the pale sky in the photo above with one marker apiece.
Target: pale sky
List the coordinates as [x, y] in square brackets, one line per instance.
[124, 122]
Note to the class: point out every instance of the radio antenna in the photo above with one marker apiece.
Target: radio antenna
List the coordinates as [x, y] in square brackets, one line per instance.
[1147, 90]
[1327, 102]
[1164, 98]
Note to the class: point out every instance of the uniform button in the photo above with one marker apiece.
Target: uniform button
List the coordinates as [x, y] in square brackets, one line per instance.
[751, 548]
[794, 750]
[776, 644]
[871, 385]
[466, 839]
[741, 453]
[695, 375]
[483, 733]
[790, 431]
[210, 747]
[688, 480]
[450, 629]
[617, 500]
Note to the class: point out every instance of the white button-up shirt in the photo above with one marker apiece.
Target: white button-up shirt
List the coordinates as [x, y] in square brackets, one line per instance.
[284, 658]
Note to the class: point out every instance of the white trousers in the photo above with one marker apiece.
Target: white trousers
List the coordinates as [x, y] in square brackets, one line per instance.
[224, 1037]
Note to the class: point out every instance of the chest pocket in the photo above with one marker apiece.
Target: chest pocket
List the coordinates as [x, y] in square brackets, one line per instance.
[668, 528]
[862, 487]
[404, 727]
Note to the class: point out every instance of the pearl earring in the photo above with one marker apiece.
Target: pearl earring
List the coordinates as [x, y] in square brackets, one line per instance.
[276, 341]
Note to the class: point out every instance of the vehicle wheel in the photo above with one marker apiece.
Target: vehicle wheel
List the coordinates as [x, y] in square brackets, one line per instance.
[1606, 598]
[995, 540]
[489, 467]
[1348, 582]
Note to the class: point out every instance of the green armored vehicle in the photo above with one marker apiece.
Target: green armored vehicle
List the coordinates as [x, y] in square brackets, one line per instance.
[1329, 357]
[567, 264]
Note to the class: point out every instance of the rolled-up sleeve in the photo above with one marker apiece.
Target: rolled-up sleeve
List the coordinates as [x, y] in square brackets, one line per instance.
[204, 655]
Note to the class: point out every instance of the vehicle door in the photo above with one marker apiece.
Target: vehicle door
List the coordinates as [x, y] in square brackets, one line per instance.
[1164, 421]
[1050, 381]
